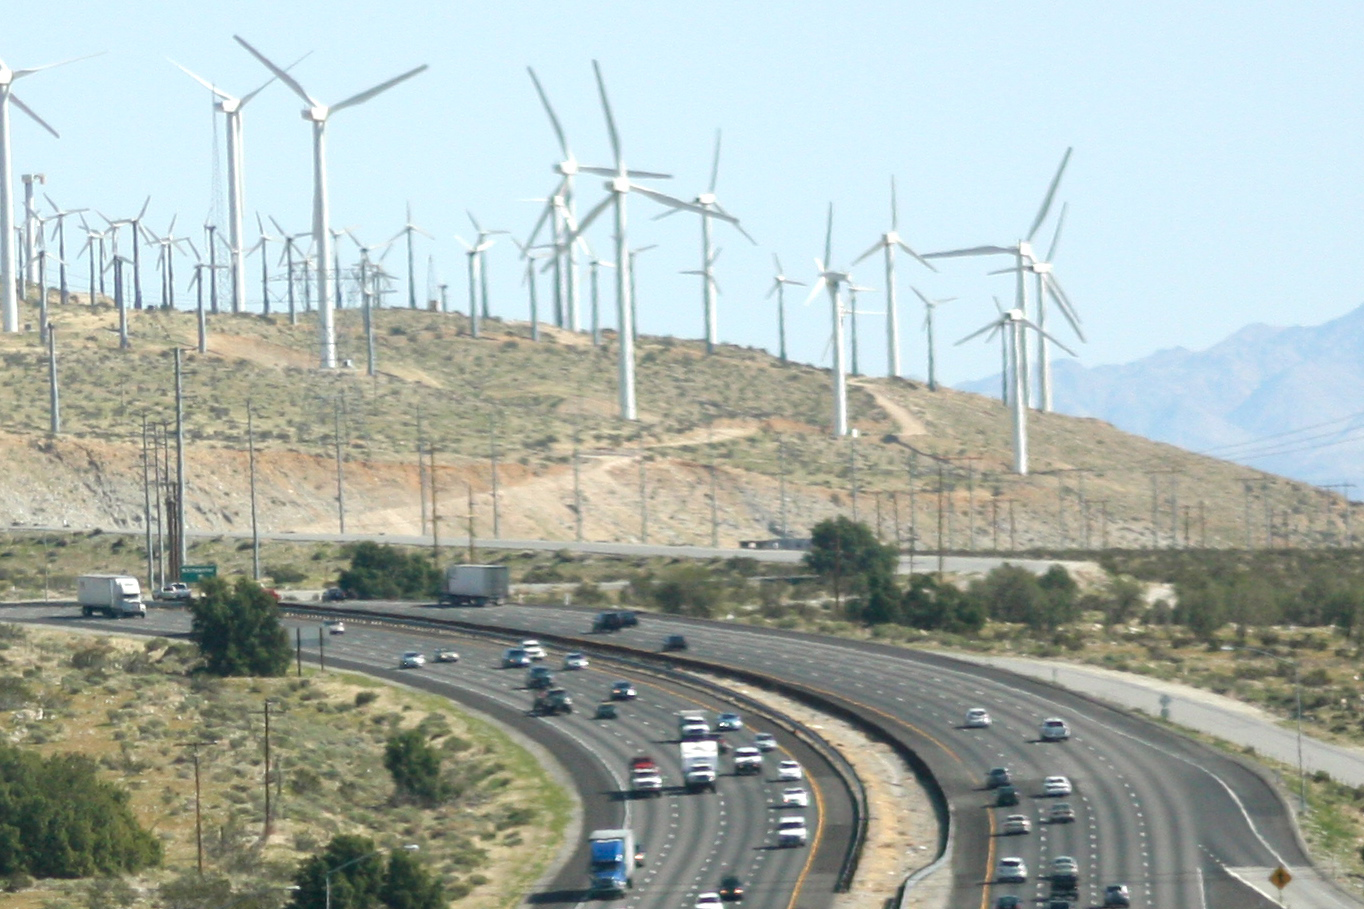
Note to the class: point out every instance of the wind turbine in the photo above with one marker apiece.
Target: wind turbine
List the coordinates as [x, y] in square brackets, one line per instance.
[530, 254]
[710, 207]
[888, 242]
[634, 295]
[620, 186]
[1022, 250]
[929, 306]
[409, 229]
[832, 280]
[232, 111]
[9, 291]
[483, 244]
[779, 283]
[318, 114]
[474, 252]
[596, 264]
[1014, 324]
[169, 245]
[1047, 284]
[135, 223]
[93, 237]
[853, 313]
[59, 215]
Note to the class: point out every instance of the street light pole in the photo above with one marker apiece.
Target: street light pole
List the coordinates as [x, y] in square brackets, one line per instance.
[1297, 697]
[198, 815]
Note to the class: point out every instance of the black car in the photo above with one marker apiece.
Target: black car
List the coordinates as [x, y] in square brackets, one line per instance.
[732, 889]
[1006, 796]
[622, 691]
[674, 642]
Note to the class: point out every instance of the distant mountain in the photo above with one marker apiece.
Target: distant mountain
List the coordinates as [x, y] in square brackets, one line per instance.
[1286, 400]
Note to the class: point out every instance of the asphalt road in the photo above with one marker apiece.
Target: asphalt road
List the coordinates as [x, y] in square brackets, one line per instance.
[1181, 824]
[692, 839]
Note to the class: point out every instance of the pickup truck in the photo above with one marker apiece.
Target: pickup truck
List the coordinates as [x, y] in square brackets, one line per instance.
[645, 777]
[747, 759]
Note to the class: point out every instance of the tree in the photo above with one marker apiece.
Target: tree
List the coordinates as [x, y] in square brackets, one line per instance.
[881, 605]
[386, 572]
[846, 554]
[357, 874]
[408, 885]
[684, 590]
[940, 607]
[238, 629]
[1201, 607]
[415, 767]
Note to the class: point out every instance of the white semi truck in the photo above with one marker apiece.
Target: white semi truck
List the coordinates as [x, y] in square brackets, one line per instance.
[700, 763]
[475, 585]
[116, 595]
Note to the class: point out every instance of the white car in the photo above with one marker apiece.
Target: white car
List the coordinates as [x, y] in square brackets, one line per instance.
[1054, 729]
[446, 655]
[977, 718]
[796, 796]
[1012, 869]
[176, 590]
[334, 626]
[697, 729]
[575, 661]
[1017, 823]
[791, 831]
[728, 722]
[708, 901]
[1056, 786]
[533, 649]
[765, 741]
[789, 771]
[412, 659]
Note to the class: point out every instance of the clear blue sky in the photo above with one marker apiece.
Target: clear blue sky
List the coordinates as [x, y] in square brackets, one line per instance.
[1215, 181]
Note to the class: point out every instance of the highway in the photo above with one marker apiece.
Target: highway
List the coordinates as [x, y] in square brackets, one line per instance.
[692, 840]
[1183, 825]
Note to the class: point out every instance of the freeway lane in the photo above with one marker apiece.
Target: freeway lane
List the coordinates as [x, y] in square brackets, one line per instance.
[692, 839]
[1155, 810]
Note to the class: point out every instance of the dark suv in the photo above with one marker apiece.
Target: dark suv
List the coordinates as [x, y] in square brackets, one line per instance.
[674, 642]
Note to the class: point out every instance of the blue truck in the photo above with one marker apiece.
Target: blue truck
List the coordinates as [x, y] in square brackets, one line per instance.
[613, 861]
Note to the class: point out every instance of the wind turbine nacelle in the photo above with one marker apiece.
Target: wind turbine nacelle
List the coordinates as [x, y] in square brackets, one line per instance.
[706, 199]
[566, 168]
[619, 185]
[1041, 268]
[1025, 249]
[230, 106]
[316, 114]
[892, 237]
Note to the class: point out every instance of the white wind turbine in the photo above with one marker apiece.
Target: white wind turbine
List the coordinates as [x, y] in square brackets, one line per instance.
[318, 114]
[710, 207]
[832, 281]
[889, 240]
[1022, 250]
[9, 289]
[1014, 323]
[853, 312]
[620, 186]
[409, 229]
[232, 111]
[1048, 284]
[475, 253]
[59, 231]
[530, 254]
[779, 283]
[929, 306]
[483, 244]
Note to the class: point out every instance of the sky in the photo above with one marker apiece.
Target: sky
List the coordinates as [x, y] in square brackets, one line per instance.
[1214, 181]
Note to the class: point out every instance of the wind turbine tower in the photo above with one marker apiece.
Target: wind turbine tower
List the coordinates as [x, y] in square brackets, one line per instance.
[33, 228]
[318, 114]
[832, 280]
[889, 240]
[779, 283]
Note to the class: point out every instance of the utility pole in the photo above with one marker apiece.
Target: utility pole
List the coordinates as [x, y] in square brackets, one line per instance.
[181, 549]
[492, 454]
[781, 466]
[643, 502]
[994, 523]
[1202, 524]
[940, 518]
[1345, 497]
[54, 398]
[971, 503]
[1103, 537]
[852, 458]
[876, 497]
[895, 516]
[340, 470]
[212, 230]
[714, 506]
[268, 816]
[577, 489]
[147, 504]
[421, 471]
[1155, 509]
[255, 529]
[913, 508]
[198, 812]
[435, 522]
[1084, 513]
[1174, 511]
[1013, 541]
[470, 487]
[1245, 487]
[1188, 510]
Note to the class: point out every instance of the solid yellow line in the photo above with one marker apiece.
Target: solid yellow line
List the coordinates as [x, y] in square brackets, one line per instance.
[819, 834]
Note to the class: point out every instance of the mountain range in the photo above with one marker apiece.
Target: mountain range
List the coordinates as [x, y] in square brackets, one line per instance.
[1288, 400]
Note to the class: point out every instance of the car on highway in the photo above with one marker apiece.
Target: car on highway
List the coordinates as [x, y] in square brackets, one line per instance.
[605, 711]
[623, 691]
[977, 718]
[1117, 895]
[710, 900]
[1059, 902]
[1061, 813]
[1011, 870]
[533, 649]
[515, 658]
[1006, 796]
[789, 771]
[764, 741]
[728, 722]
[176, 590]
[412, 659]
[575, 660]
[1017, 823]
[731, 889]
[791, 831]
[998, 776]
[1009, 901]
[539, 677]
[334, 626]
[694, 728]
[1065, 876]
[1056, 786]
[1064, 864]
[674, 642]
[1054, 729]
[446, 655]
[333, 594]
[795, 795]
[747, 759]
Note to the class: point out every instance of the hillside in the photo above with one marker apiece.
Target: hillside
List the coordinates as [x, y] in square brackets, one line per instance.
[740, 412]
[1260, 383]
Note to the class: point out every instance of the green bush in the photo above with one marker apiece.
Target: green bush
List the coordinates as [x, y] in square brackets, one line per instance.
[385, 572]
[238, 629]
[415, 767]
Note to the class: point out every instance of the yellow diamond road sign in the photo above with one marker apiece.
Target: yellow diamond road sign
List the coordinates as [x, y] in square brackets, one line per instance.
[1280, 877]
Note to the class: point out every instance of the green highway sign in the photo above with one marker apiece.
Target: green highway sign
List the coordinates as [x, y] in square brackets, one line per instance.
[191, 573]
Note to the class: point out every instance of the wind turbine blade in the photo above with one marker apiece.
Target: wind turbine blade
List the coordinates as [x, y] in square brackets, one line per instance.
[610, 121]
[378, 89]
[992, 327]
[1049, 336]
[674, 202]
[998, 305]
[894, 209]
[829, 240]
[715, 163]
[591, 216]
[972, 251]
[814, 291]
[249, 95]
[540, 222]
[28, 110]
[920, 294]
[601, 171]
[1056, 237]
[204, 82]
[1051, 192]
[553, 120]
[776, 285]
[641, 174]
[141, 214]
[20, 73]
[879, 244]
[740, 228]
[1006, 271]
[905, 246]
[474, 221]
[1063, 300]
[668, 213]
[789, 281]
[280, 74]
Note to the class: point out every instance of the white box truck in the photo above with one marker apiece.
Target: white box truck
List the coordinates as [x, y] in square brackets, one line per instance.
[700, 762]
[116, 595]
[475, 585]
